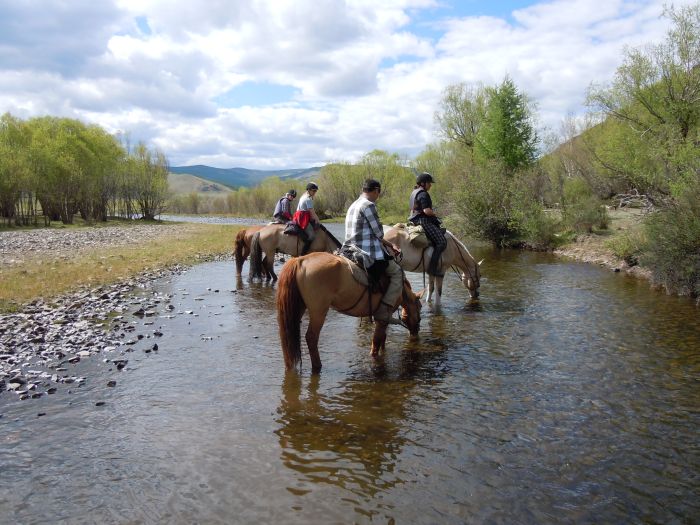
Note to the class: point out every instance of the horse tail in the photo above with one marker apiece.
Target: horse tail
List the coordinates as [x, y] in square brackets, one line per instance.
[239, 247]
[290, 308]
[255, 257]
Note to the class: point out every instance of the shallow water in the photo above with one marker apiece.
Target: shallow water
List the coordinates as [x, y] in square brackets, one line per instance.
[566, 394]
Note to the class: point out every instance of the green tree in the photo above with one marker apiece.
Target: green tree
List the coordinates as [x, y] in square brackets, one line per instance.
[507, 133]
[653, 106]
[15, 185]
[462, 113]
[151, 180]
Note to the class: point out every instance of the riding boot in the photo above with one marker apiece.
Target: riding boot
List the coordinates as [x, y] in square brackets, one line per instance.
[434, 266]
[305, 248]
[383, 313]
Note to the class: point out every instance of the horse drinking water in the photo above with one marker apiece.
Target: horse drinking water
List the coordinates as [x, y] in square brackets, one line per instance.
[319, 281]
[455, 255]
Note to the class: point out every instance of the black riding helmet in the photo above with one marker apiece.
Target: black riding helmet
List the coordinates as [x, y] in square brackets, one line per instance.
[424, 178]
[311, 186]
[293, 193]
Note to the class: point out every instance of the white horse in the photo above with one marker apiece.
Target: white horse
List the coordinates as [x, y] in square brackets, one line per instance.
[418, 259]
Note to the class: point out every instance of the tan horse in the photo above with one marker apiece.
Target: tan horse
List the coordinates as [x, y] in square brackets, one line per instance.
[319, 281]
[241, 249]
[271, 239]
[418, 259]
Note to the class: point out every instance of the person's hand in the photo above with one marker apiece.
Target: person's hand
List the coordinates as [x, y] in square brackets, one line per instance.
[396, 249]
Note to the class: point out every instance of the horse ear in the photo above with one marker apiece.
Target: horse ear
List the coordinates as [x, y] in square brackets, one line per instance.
[420, 294]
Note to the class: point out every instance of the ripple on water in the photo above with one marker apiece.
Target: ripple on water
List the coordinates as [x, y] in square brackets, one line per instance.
[567, 393]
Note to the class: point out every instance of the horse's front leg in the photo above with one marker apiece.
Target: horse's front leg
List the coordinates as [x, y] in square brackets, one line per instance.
[379, 338]
[438, 290]
[431, 287]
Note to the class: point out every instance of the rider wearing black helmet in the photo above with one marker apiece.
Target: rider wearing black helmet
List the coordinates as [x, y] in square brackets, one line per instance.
[306, 217]
[421, 212]
[283, 210]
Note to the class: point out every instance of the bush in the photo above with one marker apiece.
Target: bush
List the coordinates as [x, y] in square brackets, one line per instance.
[628, 246]
[673, 247]
[582, 210]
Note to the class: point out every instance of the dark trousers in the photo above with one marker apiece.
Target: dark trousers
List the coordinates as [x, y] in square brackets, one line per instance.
[437, 239]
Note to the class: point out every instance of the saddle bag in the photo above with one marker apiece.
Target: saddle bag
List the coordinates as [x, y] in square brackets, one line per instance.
[417, 236]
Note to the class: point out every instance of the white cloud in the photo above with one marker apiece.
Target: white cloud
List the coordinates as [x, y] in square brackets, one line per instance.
[363, 79]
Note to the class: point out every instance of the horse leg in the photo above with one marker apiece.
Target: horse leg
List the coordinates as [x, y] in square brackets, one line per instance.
[438, 290]
[268, 265]
[378, 338]
[431, 288]
[316, 320]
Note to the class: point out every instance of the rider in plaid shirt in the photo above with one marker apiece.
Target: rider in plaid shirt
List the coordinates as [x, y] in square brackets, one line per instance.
[363, 230]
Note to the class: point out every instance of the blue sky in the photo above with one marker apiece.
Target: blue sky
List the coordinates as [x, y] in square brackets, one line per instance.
[271, 84]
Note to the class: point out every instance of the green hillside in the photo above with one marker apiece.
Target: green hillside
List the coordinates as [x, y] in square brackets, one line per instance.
[237, 177]
[180, 183]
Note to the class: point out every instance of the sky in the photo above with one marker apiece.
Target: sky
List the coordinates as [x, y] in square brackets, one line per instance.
[277, 84]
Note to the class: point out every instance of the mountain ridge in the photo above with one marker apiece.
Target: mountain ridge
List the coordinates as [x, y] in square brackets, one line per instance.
[242, 177]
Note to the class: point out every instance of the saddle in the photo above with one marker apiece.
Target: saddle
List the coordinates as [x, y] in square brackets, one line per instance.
[293, 228]
[361, 276]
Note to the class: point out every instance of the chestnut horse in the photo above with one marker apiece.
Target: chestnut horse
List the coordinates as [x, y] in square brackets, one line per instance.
[319, 281]
[455, 255]
[241, 249]
[272, 239]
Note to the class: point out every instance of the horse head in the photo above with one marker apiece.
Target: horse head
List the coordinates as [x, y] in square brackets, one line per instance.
[472, 280]
[410, 308]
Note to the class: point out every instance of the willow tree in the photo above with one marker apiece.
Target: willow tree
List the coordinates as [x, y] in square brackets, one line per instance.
[150, 177]
[15, 187]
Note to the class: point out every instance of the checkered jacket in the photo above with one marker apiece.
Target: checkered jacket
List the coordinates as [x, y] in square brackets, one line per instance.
[363, 229]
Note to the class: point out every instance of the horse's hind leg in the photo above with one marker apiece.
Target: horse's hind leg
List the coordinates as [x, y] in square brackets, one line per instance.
[431, 287]
[269, 266]
[316, 320]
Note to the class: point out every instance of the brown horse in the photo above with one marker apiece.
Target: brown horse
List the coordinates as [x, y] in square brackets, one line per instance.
[241, 249]
[418, 259]
[272, 239]
[318, 282]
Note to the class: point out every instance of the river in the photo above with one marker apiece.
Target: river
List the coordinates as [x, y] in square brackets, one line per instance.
[567, 394]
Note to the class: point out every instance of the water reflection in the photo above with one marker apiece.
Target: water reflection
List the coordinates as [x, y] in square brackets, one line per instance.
[351, 434]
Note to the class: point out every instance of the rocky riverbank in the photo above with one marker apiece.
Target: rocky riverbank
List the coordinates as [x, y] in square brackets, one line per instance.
[16, 247]
[589, 249]
[39, 344]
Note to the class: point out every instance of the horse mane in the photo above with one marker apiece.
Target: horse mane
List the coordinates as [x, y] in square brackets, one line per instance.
[290, 309]
[337, 243]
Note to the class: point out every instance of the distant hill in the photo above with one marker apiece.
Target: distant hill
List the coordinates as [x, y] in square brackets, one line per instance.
[237, 177]
[181, 183]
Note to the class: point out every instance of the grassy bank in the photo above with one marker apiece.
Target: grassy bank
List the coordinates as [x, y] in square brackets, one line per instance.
[46, 276]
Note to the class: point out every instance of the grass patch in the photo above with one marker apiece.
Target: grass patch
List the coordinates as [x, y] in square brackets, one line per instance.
[48, 277]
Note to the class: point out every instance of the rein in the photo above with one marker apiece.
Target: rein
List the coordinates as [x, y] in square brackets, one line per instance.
[471, 276]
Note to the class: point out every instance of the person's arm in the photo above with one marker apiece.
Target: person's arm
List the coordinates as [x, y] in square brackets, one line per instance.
[376, 226]
[314, 217]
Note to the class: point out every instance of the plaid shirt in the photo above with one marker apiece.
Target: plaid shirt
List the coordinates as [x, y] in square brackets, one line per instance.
[363, 229]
